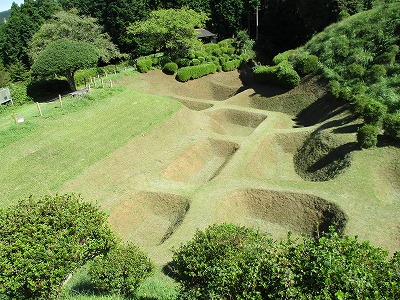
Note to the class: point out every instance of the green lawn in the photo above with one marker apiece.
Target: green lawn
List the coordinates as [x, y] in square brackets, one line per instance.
[42, 153]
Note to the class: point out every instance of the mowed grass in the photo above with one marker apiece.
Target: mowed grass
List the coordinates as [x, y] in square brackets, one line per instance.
[42, 153]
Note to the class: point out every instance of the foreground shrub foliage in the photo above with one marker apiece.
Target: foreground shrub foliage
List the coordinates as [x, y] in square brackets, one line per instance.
[232, 262]
[44, 240]
[121, 270]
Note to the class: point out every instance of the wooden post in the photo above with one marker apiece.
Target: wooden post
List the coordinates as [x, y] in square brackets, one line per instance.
[115, 71]
[88, 88]
[125, 69]
[94, 83]
[91, 79]
[102, 83]
[105, 72]
[39, 109]
[59, 99]
[111, 85]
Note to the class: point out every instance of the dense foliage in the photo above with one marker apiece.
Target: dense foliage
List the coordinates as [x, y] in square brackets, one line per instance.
[65, 57]
[233, 262]
[68, 25]
[121, 270]
[43, 240]
[193, 72]
[170, 30]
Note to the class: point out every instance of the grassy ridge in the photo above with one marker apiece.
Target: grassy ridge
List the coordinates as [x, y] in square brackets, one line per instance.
[41, 154]
[361, 54]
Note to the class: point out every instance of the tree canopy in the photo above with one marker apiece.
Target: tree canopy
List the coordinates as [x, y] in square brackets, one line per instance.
[64, 57]
[70, 26]
[170, 30]
[44, 240]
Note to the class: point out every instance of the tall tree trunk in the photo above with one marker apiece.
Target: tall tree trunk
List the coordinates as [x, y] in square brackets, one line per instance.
[71, 79]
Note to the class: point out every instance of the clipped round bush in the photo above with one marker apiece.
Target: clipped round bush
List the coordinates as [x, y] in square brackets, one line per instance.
[282, 57]
[143, 65]
[163, 60]
[195, 62]
[121, 270]
[391, 126]
[367, 136]
[373, 112]
[306, 64]
[170, 68]
[287, 76]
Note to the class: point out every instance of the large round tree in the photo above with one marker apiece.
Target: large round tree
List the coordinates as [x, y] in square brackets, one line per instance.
[64, 57]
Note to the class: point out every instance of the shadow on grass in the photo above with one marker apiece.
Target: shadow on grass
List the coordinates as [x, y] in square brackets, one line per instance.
[86, 288]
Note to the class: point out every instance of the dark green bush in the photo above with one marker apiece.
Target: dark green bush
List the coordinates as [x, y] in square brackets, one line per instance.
[233, 262]
[367, 136]
[306, 64]
[376, 72]
[19, 93]
[195, 62]
[282, 57]
[193, 72]
[170, 68]
[355, 70]
[163, 60]
[143, 65]
[373, 112]
[231, 65]
[183, 62]
[282, 74]
[121, 270]
[388, 57]
[335, 88]
[44, 240]
[51, 87]
[391, 126]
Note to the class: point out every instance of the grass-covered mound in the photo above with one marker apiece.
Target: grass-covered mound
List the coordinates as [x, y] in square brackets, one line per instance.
[359, 57]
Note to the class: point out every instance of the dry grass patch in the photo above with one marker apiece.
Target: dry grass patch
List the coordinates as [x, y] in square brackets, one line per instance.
[149, 218]
[201, 162]
[299, 213]
[237, 122]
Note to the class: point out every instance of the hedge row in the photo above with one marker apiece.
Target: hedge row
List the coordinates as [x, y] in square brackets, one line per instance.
[186, 73]
[143, 65]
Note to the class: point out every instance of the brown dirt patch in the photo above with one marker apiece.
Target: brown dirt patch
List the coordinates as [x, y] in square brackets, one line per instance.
[149, 218]
[237, 122]
[201, 162]
[300, 213]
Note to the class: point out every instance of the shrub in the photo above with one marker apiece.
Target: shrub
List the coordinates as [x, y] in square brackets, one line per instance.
[306, 64]
[282, 74]
[44, 240]
[376, 72]
[367, 136]
[48, 88]
[186, 73]
[282, 57]
[195, 62]
[388, 57]
[222, 262]
[121, 270]
[163, 60]
[19, 93]
[355, 70]
[391, 125]
[183, 62]
[335, 88]
[231, 65]
[144, 64]
[232, 262]
[373, 112]
[170, 68]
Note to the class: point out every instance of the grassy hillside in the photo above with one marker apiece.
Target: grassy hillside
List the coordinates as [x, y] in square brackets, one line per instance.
[360, 55]
[4, 15]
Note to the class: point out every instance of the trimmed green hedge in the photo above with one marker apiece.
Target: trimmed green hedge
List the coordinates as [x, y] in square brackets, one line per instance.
[367, 136]
[186, 73]
[282, 74]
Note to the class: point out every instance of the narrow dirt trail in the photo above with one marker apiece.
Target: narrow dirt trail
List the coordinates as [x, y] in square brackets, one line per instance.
[219, 159]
